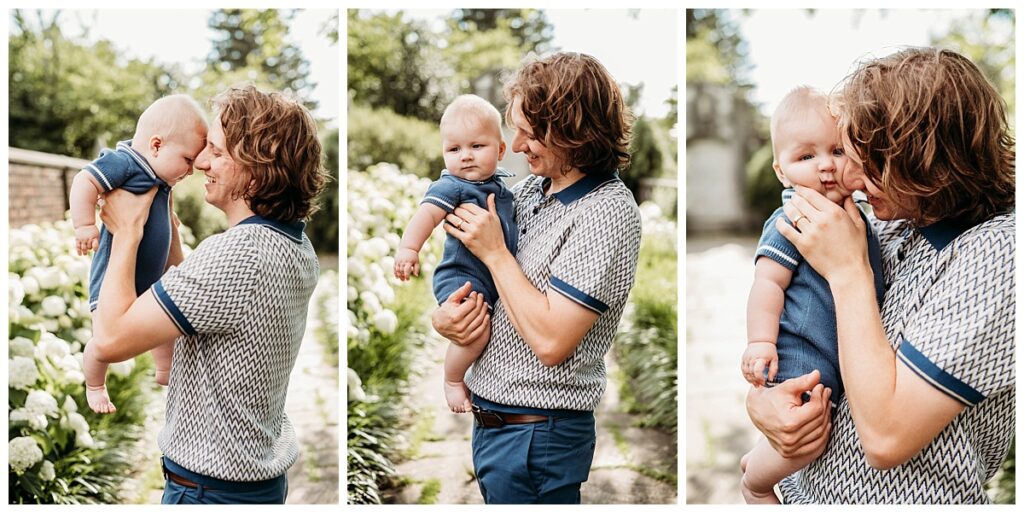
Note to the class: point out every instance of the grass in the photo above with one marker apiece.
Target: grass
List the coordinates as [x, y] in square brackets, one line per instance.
[431, 489]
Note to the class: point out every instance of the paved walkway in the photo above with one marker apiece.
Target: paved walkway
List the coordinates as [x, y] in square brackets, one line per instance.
[439, 466]
[718, 277]
[312, 406]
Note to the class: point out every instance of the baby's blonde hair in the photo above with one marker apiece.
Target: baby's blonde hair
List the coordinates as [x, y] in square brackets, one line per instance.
[798, 100]
[474, 106]
[170, 117]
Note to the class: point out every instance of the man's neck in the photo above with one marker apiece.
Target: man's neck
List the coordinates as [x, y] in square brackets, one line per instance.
[237, 212]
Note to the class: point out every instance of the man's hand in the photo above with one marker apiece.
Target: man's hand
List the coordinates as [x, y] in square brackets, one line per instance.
[793, 427]
[124, 212]
[463, 317]
[87, 238]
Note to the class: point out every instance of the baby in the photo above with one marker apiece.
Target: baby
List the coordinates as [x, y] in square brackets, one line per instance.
[791, 319]
[472, 145]
[169, 135]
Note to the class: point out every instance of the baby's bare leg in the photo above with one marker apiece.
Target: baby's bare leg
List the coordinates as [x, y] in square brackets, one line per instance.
[763, 468]
[456, 362]
[95, 381]
[162, 356]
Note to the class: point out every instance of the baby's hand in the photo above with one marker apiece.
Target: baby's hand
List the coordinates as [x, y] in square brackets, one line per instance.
[757, 357]
[407, 263]
[87, 238]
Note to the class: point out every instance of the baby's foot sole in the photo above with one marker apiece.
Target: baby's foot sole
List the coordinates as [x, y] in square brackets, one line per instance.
[457, 396]
[98, 400]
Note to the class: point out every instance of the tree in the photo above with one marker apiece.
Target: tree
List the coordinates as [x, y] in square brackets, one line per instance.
[252, 45]
[69, 97]
[323, 226]
[987, 39]
[530, 28]
[715, 49]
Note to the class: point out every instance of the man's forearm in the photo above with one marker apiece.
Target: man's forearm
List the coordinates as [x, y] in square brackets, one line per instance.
[867, 361]
[117, 293]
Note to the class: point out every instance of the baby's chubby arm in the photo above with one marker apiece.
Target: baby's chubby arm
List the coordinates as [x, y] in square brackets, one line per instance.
[84, 192]
[764, 309]
[423, 222]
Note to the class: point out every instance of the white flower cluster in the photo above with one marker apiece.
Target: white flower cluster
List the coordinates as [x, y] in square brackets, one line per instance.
[381, 201]
[49, 318]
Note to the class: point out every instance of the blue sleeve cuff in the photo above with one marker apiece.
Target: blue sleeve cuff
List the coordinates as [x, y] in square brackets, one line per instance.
[938, 378]
[443, 203]
[164, 300]
[99, 176]
[578, 296]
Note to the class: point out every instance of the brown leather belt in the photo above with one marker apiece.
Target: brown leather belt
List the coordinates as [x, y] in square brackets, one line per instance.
[492, 419]
[180, 480]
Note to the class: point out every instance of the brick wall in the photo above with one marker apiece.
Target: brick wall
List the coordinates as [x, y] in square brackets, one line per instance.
[38, 185]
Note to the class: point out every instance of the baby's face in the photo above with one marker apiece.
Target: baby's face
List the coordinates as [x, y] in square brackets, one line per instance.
[471, 148]
[810, 153]
[174, 160]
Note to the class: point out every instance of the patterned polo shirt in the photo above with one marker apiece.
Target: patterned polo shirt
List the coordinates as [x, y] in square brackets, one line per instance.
[949, 314]
[583, 243]
[240, 301]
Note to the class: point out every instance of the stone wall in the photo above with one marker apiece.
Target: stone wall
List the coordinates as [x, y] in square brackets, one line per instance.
[38, 185]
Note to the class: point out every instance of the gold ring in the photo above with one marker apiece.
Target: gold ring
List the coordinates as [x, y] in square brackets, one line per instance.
[799, 218]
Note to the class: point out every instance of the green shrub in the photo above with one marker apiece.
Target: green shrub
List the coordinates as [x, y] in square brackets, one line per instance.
[380, 135]
[763, 189]
[646, 345]
[322, 228]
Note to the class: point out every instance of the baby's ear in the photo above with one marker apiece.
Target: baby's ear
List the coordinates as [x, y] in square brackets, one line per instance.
[779, 174]
[155, 143]
[501, 150]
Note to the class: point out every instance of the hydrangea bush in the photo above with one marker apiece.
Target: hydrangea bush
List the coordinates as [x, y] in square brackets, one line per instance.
[386, 322]
[59, 450]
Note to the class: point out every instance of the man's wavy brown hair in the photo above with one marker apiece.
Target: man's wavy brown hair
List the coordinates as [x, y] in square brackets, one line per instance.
[931, 130]
[575, 108]
[274, 140]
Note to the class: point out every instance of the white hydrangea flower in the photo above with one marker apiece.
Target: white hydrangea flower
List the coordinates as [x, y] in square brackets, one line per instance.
[50, 325]
[69, 406]
[30, 285]
[122, 369]
[48, 277]
[370, 302]
[35, 421]
[21, 346]
[385, 321]
[21, 372]
[40, 402]
[82, 334]
[355, 387]
[74, 421]
[53, 347]
[46, 472]
[23, 452]
[15, 291]
[84, 439]
[54, 306]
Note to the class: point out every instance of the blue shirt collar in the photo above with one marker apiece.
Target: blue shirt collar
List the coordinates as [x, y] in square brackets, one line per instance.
[291, 230]
[583, 186]
[126, 147]
[498, 173]
[941, 233]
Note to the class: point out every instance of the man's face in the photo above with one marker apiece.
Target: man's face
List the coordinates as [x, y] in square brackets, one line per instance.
[225, 179]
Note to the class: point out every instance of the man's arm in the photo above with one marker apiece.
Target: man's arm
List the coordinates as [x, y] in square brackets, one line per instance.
[896, 412]
[126, 325]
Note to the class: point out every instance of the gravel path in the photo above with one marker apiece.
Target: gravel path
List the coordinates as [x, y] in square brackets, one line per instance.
[718, 432]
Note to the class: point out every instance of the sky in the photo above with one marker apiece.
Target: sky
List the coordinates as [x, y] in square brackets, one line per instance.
[634, 49]
[182, 37]
[791, 47]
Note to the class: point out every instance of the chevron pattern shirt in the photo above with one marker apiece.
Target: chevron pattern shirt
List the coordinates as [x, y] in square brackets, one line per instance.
[949, 314]
[581, 242]
[240, 301]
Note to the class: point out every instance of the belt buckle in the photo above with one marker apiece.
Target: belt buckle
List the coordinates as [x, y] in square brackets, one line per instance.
[487, 418]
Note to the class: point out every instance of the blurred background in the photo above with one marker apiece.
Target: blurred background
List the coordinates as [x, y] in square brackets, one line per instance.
[739, 64]
[404, 67]
[78, 80]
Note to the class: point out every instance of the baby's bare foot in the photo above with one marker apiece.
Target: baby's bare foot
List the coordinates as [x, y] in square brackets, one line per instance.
[163, 376]
[98, 399]
[457, 395]
[752, 497]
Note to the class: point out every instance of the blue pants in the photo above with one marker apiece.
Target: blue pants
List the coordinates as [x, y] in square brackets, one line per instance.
[540, 463]
[272, 491]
